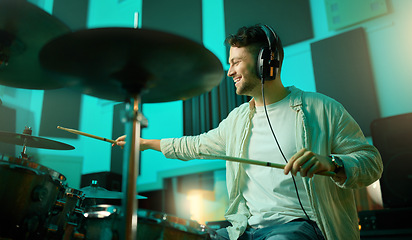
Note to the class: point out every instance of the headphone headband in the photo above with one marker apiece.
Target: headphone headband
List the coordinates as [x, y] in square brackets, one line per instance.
[271, 37]
[268, 57]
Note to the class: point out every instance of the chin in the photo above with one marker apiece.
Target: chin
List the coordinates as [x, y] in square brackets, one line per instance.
[243, 91]
[239, 92]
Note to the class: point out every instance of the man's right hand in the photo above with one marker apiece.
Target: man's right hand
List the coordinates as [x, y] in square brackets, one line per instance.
[120, 141]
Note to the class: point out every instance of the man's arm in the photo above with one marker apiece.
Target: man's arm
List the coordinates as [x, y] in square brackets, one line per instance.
[153, 144]
[145, 144]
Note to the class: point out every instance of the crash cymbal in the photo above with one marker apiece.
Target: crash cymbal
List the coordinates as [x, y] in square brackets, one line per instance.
[32, 141]
[24, 30]
[117, 63]
[102, 193]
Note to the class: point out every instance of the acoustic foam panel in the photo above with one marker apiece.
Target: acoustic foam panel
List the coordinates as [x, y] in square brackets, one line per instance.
[342, 69]
[180, 17]
[291, 19]
[119, 128]
[116, 163]
[61, 107]
[392, 136]
[73, 13]
[8, 124]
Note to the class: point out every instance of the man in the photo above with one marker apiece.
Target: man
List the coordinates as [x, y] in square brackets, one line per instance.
[309, 132]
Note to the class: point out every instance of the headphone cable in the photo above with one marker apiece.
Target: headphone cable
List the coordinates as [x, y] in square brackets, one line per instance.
[284, 157]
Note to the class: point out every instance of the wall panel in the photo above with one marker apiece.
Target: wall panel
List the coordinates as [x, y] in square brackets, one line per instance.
[343, 71]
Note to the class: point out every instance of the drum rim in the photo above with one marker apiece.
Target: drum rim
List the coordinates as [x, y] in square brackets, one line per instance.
[75, 192]
[97, 211]
[33, 166]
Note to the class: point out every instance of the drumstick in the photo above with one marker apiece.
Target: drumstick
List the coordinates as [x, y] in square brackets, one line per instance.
[255, 162]
[86, 134]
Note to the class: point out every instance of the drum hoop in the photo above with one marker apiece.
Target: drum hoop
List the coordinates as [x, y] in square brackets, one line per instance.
[101, 211]
[24, 164]
[57, 176]
[72, 192]
[38, 168]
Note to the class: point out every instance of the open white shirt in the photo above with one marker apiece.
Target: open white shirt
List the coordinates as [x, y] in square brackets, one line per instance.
[324, 127]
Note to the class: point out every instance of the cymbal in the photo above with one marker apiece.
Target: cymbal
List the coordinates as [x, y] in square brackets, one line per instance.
[24, 30]
[102, 193]
[117, 63]
[32, 141]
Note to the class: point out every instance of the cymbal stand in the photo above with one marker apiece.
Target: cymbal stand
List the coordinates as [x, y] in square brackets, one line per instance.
[127, 78]
[27, 131]
[131, 167]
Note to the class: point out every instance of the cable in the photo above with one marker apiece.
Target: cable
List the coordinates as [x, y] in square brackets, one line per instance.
[283, 155]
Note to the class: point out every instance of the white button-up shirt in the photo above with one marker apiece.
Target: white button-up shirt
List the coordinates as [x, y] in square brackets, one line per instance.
[324, 127]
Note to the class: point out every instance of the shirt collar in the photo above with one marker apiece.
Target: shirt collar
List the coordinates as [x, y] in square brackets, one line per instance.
[295, 100]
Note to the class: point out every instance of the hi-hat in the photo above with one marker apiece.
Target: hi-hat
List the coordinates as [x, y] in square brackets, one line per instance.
[102, 193]
[24, 30]
[32, 141]
[118, 63]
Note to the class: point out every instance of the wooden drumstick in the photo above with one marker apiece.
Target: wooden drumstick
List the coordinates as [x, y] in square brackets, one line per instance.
[255, 162]
[86, 134]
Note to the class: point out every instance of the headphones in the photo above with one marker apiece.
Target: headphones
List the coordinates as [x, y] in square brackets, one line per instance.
[268, 57]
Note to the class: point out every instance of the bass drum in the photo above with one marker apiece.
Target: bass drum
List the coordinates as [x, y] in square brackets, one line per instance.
[156, 225]
[28, 191]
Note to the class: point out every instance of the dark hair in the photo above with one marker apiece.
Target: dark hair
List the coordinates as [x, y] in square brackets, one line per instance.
[254, 38]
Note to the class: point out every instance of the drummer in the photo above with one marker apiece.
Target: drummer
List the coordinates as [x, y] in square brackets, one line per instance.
[310, 131]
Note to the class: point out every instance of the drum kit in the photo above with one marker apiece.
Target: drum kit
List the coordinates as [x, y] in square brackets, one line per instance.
[37, 51]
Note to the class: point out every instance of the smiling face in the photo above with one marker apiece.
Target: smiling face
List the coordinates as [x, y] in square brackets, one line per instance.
[243, 71]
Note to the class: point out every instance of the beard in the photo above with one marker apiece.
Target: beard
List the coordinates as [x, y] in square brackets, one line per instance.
[248, 87]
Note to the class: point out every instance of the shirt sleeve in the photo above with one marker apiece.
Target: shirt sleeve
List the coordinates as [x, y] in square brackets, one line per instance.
[190, 147]
[362, 161]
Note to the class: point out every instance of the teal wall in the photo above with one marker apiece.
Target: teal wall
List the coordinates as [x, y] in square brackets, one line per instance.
[388, 37]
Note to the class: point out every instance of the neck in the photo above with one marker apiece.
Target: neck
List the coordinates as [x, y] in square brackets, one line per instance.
[274, 92]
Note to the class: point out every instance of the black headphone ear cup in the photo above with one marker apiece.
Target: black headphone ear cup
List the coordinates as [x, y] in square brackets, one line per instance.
[263, 65]
[266, 66]
[259, 64]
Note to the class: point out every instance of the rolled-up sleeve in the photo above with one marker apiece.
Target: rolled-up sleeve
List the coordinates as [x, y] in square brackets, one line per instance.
[362, 161]
[190, 147]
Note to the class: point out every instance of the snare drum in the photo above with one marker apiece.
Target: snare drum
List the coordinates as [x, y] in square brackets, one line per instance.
[28, 191]
[155, 225]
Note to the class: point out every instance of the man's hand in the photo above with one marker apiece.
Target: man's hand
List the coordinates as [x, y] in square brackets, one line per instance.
[308, 163]
[120, 141]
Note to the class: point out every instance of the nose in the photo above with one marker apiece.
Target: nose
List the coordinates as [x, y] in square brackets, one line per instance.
[230, 72]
